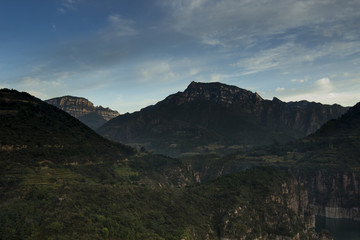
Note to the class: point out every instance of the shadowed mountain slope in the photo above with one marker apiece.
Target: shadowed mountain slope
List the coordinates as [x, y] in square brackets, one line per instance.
[29, 124]
[217, 118]
[345, 126]
[327, 163]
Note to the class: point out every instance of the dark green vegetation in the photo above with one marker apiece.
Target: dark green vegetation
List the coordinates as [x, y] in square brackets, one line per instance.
[214, 118]
[60, 180]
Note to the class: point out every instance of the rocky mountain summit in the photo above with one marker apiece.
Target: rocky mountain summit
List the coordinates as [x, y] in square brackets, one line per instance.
[84, 110]
[214, 92]
[217, 118]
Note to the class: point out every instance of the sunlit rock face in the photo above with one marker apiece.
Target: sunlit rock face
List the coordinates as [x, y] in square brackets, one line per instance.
[84, 110]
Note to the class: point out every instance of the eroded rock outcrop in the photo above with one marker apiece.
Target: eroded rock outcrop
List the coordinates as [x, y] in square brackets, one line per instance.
[84, 110]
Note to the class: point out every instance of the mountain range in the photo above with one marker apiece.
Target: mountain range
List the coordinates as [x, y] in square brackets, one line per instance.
[66, 182]
[215, 118]
[84, 110]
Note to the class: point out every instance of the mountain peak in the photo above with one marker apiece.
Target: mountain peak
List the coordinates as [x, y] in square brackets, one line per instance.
[216, 92]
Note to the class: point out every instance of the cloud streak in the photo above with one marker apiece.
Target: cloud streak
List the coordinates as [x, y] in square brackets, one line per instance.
[67, 5]
[120, 27]
[231, 21]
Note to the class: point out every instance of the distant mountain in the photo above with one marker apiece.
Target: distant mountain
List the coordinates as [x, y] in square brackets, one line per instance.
[217, 118]
[84, 110]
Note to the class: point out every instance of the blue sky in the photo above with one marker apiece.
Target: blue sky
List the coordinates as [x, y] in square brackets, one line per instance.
[129, 54]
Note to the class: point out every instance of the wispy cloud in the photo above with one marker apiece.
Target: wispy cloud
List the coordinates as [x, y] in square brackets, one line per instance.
[294, 80]
[291, 55]
[67, 5]
[156, 71]
[120, 26]
[232, 21]
[35, 81]
[268, 59]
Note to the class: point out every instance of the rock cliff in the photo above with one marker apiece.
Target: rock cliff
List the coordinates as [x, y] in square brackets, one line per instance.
[334, 194]
[84, 110]
[333, 181]
[281, 212]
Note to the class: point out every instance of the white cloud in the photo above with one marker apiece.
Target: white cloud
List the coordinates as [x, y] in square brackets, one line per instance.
[294, 80]
[194, 71]
[156, 71]
[211, 41]
[280, 89]
[326, 92]
[324, 84]
[216, 77]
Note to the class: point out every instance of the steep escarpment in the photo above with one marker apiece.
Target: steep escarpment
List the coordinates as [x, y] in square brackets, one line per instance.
[84, 110]
[217, 118]
[334, 194]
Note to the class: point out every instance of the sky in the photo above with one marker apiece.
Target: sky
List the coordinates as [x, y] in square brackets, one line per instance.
[127, 54]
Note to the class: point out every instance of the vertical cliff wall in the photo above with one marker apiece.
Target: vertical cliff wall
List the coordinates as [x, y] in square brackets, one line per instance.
[333, 194]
